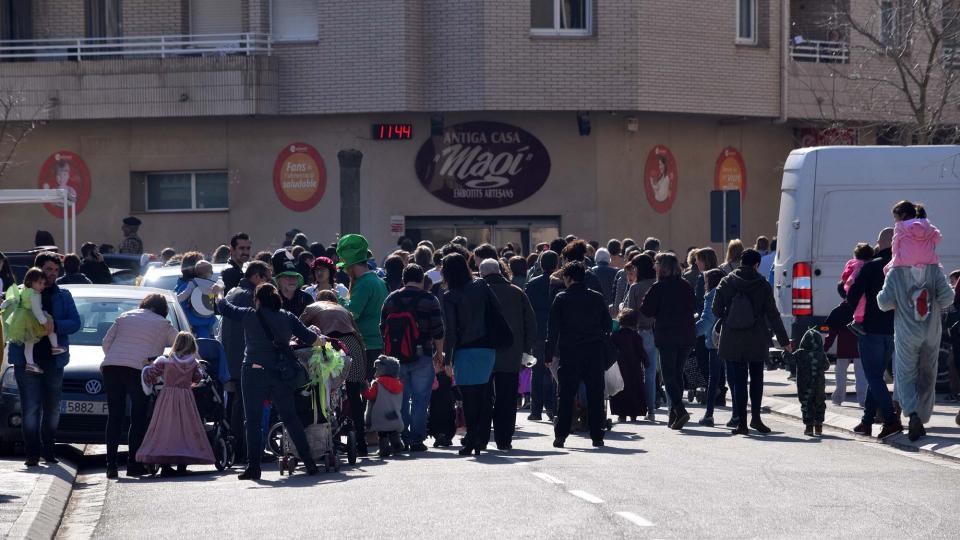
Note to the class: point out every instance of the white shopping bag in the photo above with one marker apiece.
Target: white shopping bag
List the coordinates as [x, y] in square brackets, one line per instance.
[613, 381]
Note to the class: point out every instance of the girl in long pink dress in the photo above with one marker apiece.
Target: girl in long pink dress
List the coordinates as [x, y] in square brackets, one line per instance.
[176, 434]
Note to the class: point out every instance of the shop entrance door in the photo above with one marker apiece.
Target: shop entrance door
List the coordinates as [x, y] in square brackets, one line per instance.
[523, 232]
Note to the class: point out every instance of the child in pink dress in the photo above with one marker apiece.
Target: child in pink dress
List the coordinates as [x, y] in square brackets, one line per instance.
[914, 242]
[861, 254]
[176, 434]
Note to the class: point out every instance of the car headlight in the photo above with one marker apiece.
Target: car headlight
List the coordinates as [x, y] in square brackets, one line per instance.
[9, 381]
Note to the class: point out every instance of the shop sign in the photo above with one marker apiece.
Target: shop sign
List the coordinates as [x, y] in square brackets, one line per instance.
[66, 169]
[660, 179]
[299, 177]
[483, 165]
[731, 172]
[398, 226]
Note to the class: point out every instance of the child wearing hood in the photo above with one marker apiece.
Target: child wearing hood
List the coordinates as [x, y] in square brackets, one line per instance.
[915, 239]
[384, 400]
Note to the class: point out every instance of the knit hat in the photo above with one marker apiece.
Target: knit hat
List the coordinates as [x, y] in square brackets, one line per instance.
[489, 267]
[284, 265]
[602, 256]
[352, 249]
[387, 366]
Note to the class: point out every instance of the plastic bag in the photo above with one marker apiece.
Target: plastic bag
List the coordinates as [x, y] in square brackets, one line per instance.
[528, 360]
[613, 381]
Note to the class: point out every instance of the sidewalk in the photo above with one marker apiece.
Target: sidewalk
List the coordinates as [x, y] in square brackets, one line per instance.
[943, 434]
[32, 501]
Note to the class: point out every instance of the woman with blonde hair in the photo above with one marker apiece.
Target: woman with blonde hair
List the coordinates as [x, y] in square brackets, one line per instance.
[734, 252]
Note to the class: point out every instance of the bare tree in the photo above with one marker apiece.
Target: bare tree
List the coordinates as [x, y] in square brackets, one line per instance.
[14, 127]
[899, 70]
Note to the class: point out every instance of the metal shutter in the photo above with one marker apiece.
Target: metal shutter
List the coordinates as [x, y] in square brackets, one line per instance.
[216, 17]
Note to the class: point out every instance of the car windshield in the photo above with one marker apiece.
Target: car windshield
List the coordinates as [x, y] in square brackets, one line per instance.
[168, 282]
[97, 316]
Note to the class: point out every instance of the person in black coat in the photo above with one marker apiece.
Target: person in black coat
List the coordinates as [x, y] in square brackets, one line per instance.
[93, 266]
[542, 389]
[747, 349]
[579, 323]
[71, 272]
[671, 302]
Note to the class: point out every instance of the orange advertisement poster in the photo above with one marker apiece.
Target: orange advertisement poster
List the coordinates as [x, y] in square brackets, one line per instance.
[731, 173]
[299, 177]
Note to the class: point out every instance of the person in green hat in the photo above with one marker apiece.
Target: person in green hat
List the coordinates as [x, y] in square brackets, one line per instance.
[289, 282]
[367, 293]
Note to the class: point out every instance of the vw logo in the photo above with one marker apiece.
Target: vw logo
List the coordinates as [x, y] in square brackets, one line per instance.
[93, 387]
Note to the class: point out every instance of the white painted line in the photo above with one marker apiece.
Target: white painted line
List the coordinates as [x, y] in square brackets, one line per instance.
[548, 478]
[635, 519]
[585, 496]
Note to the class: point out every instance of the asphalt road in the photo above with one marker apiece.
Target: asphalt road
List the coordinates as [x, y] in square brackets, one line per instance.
[648, 482]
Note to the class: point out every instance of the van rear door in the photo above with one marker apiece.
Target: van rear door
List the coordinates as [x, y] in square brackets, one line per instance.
[794, 226]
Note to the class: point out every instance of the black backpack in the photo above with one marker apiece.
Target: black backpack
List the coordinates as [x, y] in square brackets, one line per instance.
[741, 315]
[401, 333]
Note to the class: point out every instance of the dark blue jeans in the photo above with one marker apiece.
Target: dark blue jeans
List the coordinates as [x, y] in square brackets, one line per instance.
[258, 385]
[40, 406]
[876, 352]
[737, 378]
[713, 380]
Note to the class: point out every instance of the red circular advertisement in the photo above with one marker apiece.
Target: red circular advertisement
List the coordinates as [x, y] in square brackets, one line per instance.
[731, 172]
[299, 177]
[660, 179]
[66, 169]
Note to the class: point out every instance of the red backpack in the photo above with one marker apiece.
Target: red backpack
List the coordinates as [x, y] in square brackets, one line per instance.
[401, 333]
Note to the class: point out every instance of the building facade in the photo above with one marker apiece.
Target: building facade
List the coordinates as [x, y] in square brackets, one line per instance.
[503, 120]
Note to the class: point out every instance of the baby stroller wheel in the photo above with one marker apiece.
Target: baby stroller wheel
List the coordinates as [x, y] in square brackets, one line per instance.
[222, 454]
[352, 447]
[275, 439]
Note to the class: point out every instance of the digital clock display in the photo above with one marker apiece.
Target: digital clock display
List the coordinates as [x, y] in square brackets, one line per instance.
[388, 132]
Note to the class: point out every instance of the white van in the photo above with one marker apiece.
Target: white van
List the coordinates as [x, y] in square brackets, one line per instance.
[834, 197]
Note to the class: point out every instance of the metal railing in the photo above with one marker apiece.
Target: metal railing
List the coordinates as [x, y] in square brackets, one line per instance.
[821, 52]
[136, 46]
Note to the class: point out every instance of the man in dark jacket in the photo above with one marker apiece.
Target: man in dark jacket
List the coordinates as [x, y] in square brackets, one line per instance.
[240, 249]
[231, 336]
[876, 345]
[579, 323]
[516, 309]
[93, 266]
[747, 349]
[605, 275]
[542, 391]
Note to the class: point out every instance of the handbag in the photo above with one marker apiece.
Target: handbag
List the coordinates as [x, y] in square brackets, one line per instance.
[613, 381]
[289, 370]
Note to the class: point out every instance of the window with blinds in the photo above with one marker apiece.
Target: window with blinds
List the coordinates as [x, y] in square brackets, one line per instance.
[294, 20]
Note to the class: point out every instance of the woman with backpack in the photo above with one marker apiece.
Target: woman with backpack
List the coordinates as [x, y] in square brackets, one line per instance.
[670, 302]
[475, 329]
[744, 301]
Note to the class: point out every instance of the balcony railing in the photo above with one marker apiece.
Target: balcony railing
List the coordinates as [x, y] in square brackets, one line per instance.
[821, 52]
[135, 47]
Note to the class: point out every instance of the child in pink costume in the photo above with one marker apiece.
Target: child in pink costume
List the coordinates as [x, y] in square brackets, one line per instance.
[861, 254]
[914, 243]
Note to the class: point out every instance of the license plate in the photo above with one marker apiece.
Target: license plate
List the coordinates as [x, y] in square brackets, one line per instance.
[83, 407]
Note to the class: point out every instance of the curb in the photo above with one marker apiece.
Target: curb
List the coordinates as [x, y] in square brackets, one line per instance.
[933, 446]
[41, 516]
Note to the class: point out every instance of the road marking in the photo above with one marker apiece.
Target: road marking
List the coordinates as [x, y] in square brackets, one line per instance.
[585, 496]
[635, 519]
[548, 478]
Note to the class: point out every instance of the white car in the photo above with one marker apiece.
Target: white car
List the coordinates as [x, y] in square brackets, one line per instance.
[165, 277]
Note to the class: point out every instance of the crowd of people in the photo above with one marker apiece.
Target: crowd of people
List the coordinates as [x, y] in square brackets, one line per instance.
[432, 326]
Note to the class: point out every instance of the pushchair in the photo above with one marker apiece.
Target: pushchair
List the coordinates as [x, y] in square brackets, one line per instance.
[320, 408]
[208, 394]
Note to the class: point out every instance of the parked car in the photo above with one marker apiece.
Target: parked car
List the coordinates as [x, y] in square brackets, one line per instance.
[165, 277]
[83, 405]
[124, 269]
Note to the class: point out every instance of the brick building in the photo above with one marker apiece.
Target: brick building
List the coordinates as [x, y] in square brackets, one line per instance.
[504, 120]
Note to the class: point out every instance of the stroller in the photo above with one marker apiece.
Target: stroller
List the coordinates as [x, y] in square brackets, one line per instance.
[320, 408]
[208, 394]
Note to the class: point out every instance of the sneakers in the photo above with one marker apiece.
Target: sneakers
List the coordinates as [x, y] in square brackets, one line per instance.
[706, 421]
[249, 474]
[863, 428]
[535, 417]
[758, 425]
[652, 417]
[682, 418]
[418, 447]
[741, 428]
[734, 422]
[112, 472]
[558, 443]
[890, 429]
[915, 429]
[504, 447]
[598, 443]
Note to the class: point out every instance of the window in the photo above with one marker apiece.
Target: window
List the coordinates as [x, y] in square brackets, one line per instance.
[102, 18]
[561, 17]
[746, 22]
[890, 23]
[180, 191]
[294, 20]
